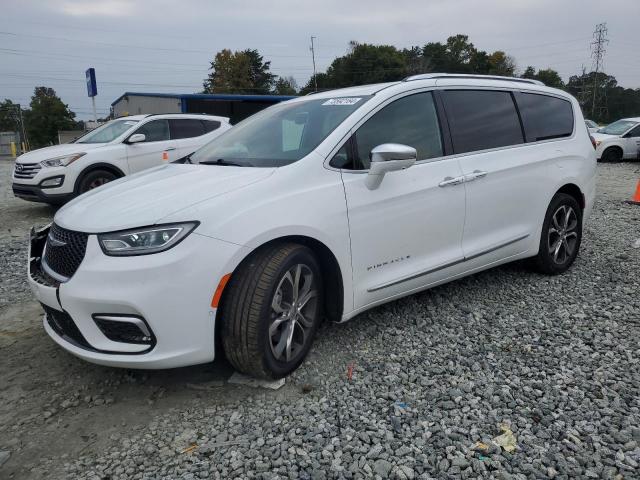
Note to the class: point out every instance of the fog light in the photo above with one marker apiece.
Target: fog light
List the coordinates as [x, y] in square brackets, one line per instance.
[52, 182]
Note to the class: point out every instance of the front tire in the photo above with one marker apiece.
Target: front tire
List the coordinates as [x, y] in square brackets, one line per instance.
[95, 179]
[561, 235]
[612, 155]
[272, 311]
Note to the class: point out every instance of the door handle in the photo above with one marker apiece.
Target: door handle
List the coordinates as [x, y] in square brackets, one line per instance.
[470, 177]
[449, 181]
[169, 149]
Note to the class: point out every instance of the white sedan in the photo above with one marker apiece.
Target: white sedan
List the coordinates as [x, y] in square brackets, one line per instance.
[619, 140]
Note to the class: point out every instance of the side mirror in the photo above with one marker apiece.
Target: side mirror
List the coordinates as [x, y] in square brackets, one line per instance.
[388, 157]
[137, 138]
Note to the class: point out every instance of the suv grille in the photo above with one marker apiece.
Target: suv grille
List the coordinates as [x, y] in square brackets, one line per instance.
[26, 170]
[64, 250]
[63, 325]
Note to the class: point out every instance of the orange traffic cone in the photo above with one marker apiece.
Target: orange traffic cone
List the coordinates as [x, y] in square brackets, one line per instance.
[635, 200]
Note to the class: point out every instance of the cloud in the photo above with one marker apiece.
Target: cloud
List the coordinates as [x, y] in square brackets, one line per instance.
[105, 8]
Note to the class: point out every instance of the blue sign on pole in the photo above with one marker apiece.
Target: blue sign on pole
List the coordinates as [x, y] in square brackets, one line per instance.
[92, 88]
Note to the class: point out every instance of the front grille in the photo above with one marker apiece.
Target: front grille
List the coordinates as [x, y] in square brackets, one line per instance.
[65, 250]
[122, 331]
[63, 325]
[26, 170]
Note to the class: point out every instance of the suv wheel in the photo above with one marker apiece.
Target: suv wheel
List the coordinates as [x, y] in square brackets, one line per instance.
[95, 179]
[272, 311]
[561, 235]
[612, 154]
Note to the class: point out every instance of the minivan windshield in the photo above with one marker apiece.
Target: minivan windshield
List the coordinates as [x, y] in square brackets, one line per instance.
[279, 135]
[618, 128]
[107, 132]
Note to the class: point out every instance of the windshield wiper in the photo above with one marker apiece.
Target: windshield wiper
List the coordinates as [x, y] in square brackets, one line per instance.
[222, 161]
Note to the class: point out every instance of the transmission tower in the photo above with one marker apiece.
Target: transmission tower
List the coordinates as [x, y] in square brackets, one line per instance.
[597, 53]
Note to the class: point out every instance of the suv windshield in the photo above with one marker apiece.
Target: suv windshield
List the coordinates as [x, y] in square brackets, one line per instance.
[280, 135]
[618, 128]
[107, 132]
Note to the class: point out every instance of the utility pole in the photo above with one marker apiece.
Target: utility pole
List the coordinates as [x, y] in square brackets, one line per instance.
[597, 53]
[24, 134]
[313, 58]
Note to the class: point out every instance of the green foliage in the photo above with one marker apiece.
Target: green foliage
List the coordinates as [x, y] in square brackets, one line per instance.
[285, 86]
[243, 72]
[48, 114]
[9, 121]
[363, 64]
[549, 77]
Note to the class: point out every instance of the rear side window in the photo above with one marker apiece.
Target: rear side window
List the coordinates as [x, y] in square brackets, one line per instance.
[155, 131]
[411, 120]
[545, 117]
[186, 128]
[482, 119]
[210, 125]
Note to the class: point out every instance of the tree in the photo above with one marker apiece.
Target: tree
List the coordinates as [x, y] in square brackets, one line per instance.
[501, 64]
[9, 121]
[549, 77]
[239, 72]
[47, 116]
[285, 86]
[363, 64]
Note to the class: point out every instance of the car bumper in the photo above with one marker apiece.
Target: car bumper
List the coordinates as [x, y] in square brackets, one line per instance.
[35, 193]
[170, 292]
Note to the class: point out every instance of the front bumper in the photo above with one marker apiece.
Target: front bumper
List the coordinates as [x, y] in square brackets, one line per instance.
[169, 291]
[35, 193]
[31, 189]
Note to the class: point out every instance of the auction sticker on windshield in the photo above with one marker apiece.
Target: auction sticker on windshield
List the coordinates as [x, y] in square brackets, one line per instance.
[343, 101]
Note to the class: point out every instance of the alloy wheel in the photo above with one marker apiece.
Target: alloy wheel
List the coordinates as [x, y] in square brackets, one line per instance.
[293, 311]
[98, 182]
[562, 236]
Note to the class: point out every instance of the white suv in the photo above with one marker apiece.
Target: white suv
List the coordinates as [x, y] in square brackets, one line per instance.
[619, 140]
[123, 146]
[323, 206]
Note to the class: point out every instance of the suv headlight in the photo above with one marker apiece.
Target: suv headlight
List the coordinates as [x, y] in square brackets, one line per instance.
[144, 241]
[62, 161]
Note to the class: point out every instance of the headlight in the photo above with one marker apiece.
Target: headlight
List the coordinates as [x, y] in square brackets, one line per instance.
[598, 142]
[62, 161]
[143, 241]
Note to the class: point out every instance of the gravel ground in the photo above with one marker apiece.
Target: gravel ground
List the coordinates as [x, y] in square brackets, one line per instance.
[435, 378]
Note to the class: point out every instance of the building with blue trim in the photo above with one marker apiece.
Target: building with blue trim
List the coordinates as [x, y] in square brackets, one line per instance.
[236, 107]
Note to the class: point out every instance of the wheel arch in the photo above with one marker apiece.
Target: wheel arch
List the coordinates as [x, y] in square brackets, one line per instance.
[97, 166]
[332, 274]
[615, 146]
[575, 191]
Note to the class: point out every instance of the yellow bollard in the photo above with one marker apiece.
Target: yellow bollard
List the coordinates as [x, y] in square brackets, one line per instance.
[13, 149]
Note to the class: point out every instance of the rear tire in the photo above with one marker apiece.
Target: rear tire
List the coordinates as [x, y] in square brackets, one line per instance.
[612, 155]
[271, 311]
[561, 236]
[95, 179]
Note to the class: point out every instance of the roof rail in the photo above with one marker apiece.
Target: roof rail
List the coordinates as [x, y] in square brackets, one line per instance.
[428, 76]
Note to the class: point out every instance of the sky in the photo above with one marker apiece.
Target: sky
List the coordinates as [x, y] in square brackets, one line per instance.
[167, 46]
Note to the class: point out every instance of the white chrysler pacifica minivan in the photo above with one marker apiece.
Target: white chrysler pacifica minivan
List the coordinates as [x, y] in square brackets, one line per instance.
[320, 207]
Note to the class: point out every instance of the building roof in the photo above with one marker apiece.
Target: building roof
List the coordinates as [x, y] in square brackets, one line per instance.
[206, 96]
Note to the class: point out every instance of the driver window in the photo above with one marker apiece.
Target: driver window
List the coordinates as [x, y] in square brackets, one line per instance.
[411, 120]
[155, 131]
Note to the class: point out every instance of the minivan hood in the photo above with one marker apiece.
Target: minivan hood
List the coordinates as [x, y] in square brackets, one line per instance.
[148, 197]
[53, 151]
